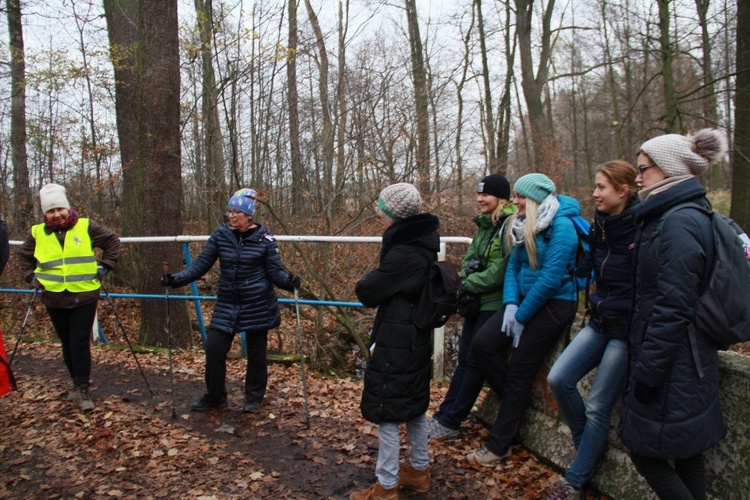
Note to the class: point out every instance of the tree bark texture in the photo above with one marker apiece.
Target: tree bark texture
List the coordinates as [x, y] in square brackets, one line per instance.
[298, 174]
[421, 98]
[22, 198]
[741, 169]
[145, 53]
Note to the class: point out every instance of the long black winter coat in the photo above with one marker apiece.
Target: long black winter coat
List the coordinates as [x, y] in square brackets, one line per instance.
[397, 377]
[249, 267]
[683, 417]
[612, 238]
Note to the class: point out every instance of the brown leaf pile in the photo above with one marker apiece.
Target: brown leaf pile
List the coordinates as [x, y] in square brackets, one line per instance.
[131, 447]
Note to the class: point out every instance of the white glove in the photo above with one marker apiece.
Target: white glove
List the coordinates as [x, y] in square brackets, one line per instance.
[517, 329]
[509, 319]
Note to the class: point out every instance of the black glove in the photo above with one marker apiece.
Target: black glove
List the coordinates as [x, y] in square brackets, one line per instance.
[101, 271]
[463, 296]
[35, 283]
[296, 282]
[643, 393]
[167, 279]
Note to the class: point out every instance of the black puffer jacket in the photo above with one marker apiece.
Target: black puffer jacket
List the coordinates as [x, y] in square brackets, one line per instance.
[612, 239]
[397, 377]
[683, 417]
[249, 267]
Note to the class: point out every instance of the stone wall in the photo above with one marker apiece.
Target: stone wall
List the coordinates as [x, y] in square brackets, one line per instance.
[546, 434]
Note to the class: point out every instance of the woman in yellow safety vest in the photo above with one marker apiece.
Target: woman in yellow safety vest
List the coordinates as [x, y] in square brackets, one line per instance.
[57, 257]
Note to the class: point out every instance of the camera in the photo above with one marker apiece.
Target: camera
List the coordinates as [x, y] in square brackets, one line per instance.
[474, 266]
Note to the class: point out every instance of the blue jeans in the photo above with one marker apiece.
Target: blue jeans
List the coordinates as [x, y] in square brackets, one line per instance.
[467, 380]
[386, 468]
[589, 421]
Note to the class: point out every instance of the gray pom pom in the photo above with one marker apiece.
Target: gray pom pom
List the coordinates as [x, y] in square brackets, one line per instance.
[710, 144]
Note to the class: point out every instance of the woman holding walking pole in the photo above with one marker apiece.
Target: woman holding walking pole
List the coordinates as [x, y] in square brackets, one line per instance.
[57, 257]
[249, 267]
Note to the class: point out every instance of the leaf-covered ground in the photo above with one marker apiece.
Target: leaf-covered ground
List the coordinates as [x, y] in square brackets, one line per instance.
[130, 446]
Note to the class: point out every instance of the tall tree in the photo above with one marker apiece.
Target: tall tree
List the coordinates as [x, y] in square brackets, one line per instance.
[741, 168]
[670, 94]
[534, 80]
[145, 52]
[298, 174]
[213, 161]
[421, 97]
[22, 199]
[489, 120]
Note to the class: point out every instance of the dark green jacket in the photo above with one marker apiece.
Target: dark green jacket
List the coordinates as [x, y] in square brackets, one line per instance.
[491, 247]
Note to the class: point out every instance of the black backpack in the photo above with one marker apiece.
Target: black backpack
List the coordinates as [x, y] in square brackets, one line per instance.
[438, 300]
[722, 313]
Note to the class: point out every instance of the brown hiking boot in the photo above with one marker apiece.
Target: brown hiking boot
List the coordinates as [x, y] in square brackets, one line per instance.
[375, 492]
[417, 480]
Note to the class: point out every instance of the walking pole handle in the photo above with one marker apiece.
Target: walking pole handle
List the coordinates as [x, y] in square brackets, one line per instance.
[165, 267]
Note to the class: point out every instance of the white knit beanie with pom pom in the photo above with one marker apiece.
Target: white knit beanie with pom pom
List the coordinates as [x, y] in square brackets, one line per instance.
[678, 154]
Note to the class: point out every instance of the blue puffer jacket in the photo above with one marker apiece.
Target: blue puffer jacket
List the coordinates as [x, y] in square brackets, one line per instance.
[556, 249]
[680, 416]
[249, 267]
[612, 242]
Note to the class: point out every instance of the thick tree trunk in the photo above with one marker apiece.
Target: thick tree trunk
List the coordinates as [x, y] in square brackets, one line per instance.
[489, 120]
[145, 53]
[214, 161]
[670, 95]
[22, 198]
[298, 175]
[421, 98]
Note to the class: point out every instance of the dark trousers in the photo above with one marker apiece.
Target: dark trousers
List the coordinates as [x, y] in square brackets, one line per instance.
[217, 346]
[685, 480]
[512, 380]
[73, 328]
[467, 380]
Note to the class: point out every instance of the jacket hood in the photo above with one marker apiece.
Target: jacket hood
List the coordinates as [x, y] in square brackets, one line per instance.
[569, 206]
[419, 230]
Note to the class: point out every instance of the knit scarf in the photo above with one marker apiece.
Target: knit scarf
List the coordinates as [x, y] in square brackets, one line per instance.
[66, 224]
[544, 215]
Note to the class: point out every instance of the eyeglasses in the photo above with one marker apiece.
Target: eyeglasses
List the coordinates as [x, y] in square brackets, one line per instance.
[233, 213]
[519, 196]
[642, 168]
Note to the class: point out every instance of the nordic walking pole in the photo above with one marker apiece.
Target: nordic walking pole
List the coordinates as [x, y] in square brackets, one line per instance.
[23, 325]
[122, 329]
[302, 360]
[165, 269]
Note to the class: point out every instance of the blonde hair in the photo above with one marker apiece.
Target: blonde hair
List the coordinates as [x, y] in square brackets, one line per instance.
[497, 214]
[529, 233]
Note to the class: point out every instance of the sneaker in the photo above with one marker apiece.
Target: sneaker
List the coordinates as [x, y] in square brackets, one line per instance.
[251, 407]
[413, 479]
[439, 432]
[564, 491]
[375, 492]
[74, 395]
[486, 458]
[86, 404]
[205, 403]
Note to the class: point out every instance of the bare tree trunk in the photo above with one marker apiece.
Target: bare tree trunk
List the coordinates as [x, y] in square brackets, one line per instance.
[670, 95]
[298, 201]
[325, 105]
[614, 88]
[214, 162]
[22, 198]
[544, 144]
[421, 98]
[341, 91]
[489, 120]
[741, 168]
[145, 53]
[460, 114]
[504, 108]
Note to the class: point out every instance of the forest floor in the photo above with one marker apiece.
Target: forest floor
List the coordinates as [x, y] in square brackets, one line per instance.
[134, 445]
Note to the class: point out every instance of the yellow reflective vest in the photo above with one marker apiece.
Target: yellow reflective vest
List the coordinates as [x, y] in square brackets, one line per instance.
[72, 267]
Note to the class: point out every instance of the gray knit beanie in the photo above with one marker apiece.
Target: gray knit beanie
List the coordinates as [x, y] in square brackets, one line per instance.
[534, 186]
[53, 196]
[678, 154]
[399, 201]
